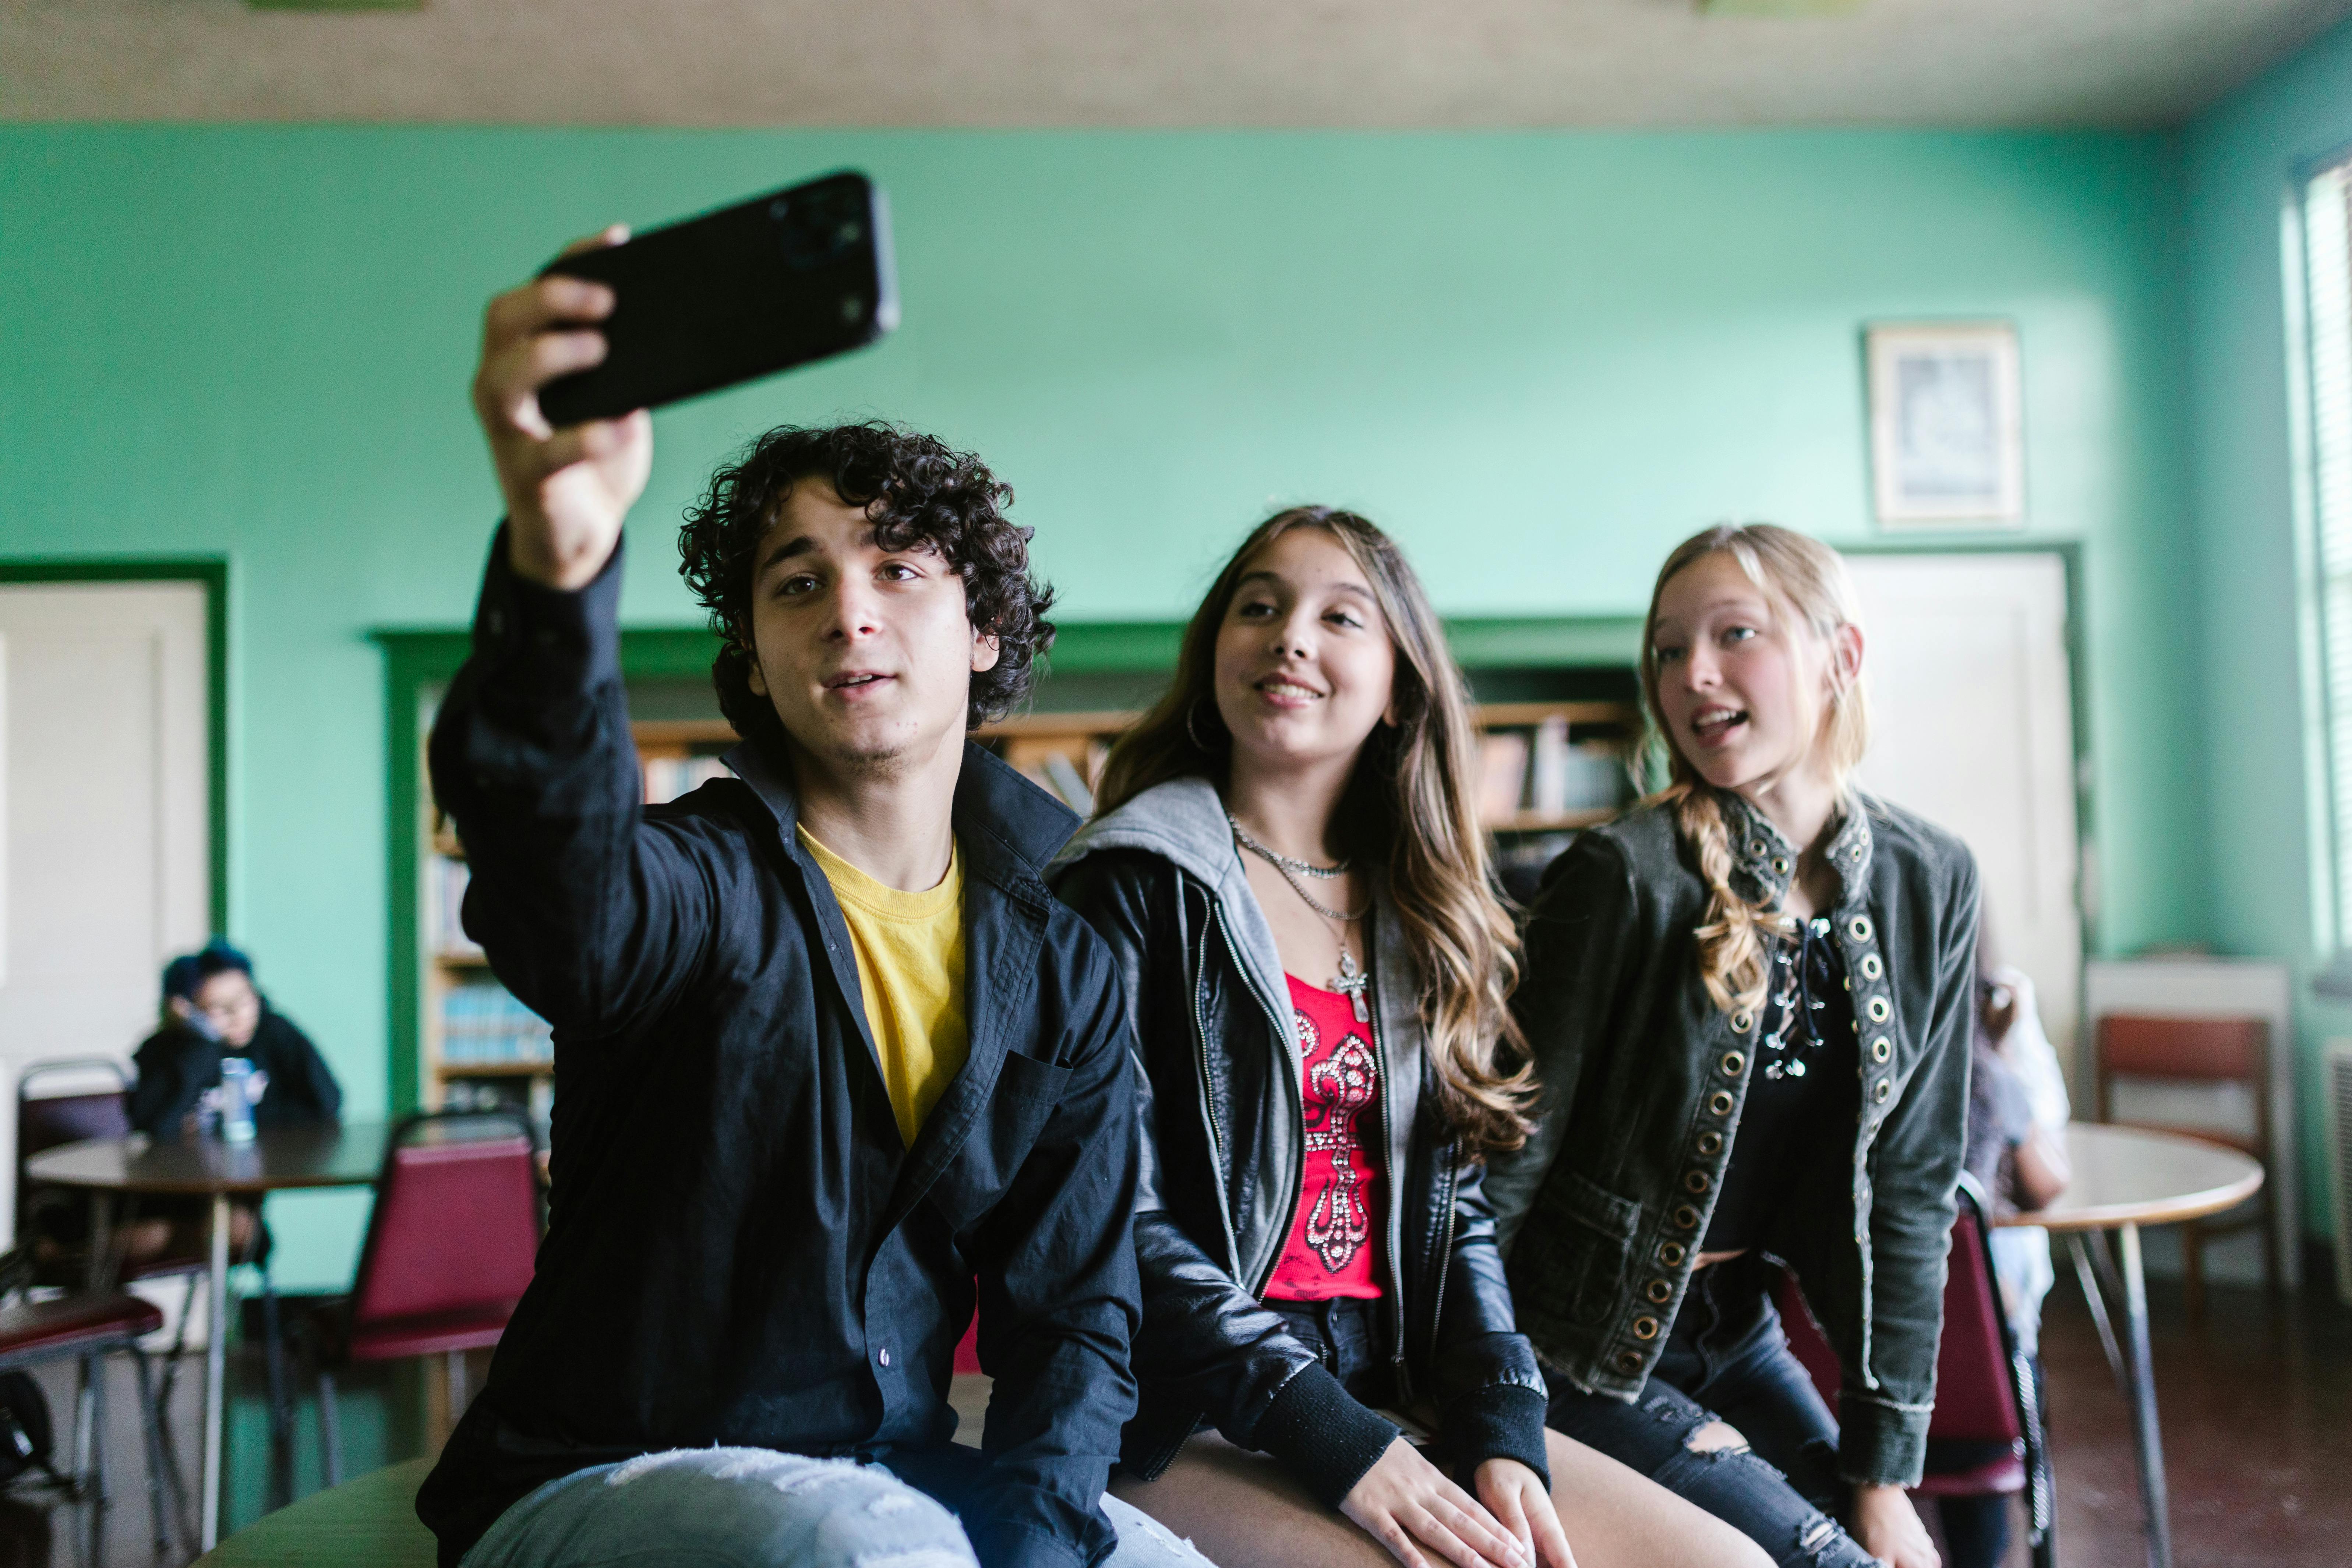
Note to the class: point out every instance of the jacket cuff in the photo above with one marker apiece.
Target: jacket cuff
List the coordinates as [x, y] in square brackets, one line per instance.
[541, 639]
[1322, 1434]
[1881, 1443]
[1501, 1421]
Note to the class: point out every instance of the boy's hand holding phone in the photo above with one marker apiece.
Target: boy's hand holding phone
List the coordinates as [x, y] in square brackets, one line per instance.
[566, 490]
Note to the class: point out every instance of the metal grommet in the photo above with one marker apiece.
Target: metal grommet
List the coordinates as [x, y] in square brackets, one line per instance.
[1881, 1091]
[1733, 1061]
[1742, 1021]
[1710, 1142]
[1858, 928]
[1628, 1362]
[1695, 1182]
[1871, 967]
[1671, 1254]
[1781, 864]
[1645, 1327]
[1659, 1291]
[1879, 1009]
[1756, 847]
[1686, 1217]
[1719, 1102]
[1880, 1050]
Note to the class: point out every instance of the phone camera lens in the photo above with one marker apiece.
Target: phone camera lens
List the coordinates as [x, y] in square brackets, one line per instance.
[852, 308]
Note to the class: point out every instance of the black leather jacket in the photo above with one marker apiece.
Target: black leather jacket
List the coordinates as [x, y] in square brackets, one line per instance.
[1643, 1083]
[1224, 1149]
[741, 1250]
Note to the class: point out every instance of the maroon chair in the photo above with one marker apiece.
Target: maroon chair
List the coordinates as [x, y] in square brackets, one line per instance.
[2200, 1050]
[64, 1217]
[450, 1248]
[87, 1329]
[1985, 1394]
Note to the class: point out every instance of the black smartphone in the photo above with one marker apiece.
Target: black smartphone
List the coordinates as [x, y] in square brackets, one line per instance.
[796, 275]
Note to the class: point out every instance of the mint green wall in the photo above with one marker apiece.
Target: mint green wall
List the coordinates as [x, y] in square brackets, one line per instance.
[2239, 163]
[1539, 359]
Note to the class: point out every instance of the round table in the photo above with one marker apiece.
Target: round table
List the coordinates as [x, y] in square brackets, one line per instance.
[2124, 1178]
[346, 1156]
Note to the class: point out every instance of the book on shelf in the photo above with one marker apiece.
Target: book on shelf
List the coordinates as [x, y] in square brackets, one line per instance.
[666, 778]
[484, 1026]
[1502, 773]
[445, 893]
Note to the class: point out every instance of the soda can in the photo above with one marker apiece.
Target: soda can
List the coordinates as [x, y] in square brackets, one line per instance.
[236, 1103]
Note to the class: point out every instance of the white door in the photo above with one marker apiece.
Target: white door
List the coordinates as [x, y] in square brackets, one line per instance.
[1972, 727]
[106, 858]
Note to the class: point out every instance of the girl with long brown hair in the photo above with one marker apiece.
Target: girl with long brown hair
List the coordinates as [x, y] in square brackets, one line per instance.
[1750, 1002]
[1290, 874]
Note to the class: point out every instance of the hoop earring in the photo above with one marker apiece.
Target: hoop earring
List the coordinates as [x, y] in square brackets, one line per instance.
[1192, 733]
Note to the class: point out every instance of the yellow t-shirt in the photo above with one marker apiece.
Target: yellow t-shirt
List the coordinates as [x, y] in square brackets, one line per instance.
[911, 965]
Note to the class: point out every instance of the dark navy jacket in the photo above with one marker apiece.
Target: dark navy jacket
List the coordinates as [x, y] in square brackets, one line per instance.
[740, 1251]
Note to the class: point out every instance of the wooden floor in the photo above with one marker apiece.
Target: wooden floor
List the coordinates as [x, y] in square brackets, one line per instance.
[2257, 1408]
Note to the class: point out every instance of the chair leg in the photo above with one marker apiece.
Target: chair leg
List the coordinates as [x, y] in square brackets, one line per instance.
[330, 1435]
[97, 1427]
[179, 1344]
[457, 1360]
[2193, 1270]
[2272, 1277]
[152, 1435]
[85, 1407]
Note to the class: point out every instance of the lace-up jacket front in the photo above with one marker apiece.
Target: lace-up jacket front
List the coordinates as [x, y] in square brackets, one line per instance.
[1645, 1080]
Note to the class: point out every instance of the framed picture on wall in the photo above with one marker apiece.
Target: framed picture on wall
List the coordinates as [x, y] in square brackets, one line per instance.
[1947, 443]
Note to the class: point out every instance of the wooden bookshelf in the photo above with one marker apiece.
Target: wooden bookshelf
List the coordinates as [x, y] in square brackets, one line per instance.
[451, 966]
[1520, 666]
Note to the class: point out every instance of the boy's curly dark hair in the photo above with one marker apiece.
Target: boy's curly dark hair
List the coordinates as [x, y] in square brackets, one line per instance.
[919, 492]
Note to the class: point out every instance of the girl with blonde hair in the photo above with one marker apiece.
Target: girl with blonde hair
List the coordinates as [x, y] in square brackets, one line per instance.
[1749, 1002]
[1291, 877]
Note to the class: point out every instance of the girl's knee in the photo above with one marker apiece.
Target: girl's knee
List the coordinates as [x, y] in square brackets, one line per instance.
[1715, 1438]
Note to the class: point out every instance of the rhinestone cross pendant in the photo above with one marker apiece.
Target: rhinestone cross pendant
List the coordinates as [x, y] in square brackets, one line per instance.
[1353, 983]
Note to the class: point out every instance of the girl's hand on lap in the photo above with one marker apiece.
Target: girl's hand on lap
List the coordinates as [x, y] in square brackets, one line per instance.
[1409, 1506]
[1521, 1504]
[1887, 1526]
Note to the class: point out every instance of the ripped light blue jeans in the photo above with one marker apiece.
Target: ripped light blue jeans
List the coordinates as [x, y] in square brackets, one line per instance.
[754, 1508]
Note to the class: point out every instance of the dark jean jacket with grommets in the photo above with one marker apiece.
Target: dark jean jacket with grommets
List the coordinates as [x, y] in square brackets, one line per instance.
[1644, 1078]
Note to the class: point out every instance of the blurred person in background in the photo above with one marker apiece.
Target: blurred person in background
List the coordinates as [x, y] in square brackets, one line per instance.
[212, 1013]
[2016, 1152]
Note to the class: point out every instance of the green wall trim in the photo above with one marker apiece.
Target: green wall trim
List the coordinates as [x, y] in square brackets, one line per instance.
[1114, 648]
[212, 572]
[1535, 643]
[1136, 648]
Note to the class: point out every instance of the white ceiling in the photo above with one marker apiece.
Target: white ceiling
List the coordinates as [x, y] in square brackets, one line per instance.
[1338, 63]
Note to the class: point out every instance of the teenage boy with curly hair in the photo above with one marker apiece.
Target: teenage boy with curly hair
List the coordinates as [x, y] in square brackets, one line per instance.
[831, 1065]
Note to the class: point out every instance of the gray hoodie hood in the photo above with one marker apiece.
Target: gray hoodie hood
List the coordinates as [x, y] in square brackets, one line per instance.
[1183, 822]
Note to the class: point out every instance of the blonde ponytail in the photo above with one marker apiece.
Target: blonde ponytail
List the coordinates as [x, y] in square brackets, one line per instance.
[1733, 955]
[1810, 578]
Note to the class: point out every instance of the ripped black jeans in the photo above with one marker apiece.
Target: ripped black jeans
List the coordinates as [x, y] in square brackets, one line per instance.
[1728, 1359]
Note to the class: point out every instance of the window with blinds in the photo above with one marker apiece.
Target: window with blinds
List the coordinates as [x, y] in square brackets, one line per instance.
[2327, 304]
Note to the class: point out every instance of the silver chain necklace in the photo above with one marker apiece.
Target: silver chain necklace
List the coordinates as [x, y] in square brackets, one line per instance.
[1284, 862]
[1350, 982]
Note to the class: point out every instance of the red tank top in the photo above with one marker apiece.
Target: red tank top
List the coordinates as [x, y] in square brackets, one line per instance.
[1333, 1248]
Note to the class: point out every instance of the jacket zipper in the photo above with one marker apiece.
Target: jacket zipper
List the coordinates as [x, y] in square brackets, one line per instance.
[1208, 1113]
[1395, 1219]
[1298, 1169]
[1444, 1252]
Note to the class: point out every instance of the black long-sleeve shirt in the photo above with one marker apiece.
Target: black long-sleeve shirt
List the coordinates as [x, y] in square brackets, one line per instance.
[741, 1251]
[177, 1065]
